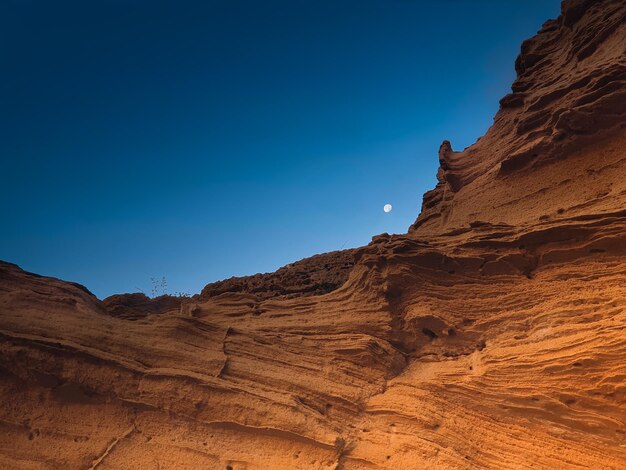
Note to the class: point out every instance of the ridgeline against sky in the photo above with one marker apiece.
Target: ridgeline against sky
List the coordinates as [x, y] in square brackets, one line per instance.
[200, 140]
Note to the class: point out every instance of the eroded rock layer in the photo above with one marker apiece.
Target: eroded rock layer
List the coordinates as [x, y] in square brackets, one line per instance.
[570, 93]
[492, 335]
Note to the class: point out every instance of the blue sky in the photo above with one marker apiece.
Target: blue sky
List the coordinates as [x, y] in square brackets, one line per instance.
[199, 140]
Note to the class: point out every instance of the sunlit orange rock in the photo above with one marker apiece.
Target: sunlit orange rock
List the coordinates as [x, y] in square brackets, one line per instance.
[491, 335]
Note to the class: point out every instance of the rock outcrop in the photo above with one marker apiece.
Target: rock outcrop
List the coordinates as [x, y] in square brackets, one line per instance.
[139, 305]
[316, 275]
[491, 335]
[569, 98]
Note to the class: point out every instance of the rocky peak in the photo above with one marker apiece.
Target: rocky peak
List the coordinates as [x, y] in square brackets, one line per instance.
[570, 92]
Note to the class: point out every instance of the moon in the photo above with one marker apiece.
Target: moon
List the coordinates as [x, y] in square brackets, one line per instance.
[387, 207]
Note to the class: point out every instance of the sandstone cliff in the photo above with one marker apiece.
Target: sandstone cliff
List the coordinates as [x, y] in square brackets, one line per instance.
[492, 335]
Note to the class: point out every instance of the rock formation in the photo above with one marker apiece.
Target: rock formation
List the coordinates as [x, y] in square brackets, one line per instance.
[316, 275]
[491, 335]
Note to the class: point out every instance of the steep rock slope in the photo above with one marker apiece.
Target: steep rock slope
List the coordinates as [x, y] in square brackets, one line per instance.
[492, 335]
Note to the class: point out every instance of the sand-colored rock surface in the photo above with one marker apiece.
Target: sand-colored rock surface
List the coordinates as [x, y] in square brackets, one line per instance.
[492, 335]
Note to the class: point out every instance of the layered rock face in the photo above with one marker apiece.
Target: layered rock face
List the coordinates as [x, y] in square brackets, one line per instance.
[492, 335]
[568, 103]
[316, 275]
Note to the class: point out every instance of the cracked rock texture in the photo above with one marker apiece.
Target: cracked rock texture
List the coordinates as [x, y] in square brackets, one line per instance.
[491, 335]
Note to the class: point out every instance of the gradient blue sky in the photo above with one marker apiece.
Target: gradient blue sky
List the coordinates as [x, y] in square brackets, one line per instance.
[199, 140]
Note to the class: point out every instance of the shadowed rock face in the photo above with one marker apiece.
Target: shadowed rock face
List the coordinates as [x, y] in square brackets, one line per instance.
[490, 336]
[139, 305]
[316, 275]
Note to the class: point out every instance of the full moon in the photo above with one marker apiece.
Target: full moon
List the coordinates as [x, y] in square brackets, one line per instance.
[387, 207]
